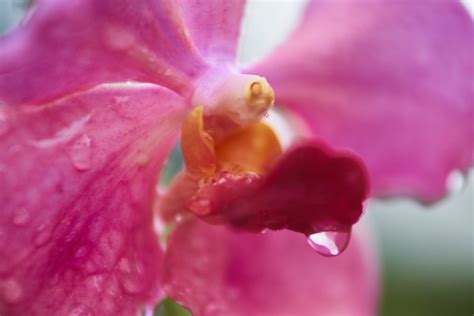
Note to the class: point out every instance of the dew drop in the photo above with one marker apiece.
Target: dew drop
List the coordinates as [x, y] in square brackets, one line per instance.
[456, 181]
[21, 217]
[124, 265]
[3, 238]
[4, 126]
[81, 310]
[131, 276]
[42, 237]
[81, 253]
[132, 285]
[179, 218]
[80, 153]
[12, 291]
[200, 205]
[329, 243]
[142, 159]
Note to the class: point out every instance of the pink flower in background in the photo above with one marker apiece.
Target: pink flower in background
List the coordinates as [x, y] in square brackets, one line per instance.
[93, 95]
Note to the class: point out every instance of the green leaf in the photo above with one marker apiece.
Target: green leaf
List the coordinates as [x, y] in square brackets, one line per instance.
[168, 307]
[173, 166]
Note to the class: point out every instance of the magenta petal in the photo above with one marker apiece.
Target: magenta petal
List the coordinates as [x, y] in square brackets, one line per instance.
[214, 26]
[311, 188]
[78, 178]
[215, 271]
[68, 46]
[391, 80]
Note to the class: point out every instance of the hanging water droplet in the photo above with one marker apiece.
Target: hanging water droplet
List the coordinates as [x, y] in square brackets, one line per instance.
[12, 291]
[456, 181]
[80, 153]
[329, 243]
[21, 217]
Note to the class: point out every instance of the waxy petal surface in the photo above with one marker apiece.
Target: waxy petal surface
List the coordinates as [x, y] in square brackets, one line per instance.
[77, 185]
[214, 26]
[391, 80]
[67, 46]
[310, 188]
[214, 271]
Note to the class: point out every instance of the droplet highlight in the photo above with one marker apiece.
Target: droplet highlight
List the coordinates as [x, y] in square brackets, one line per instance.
[456, 181]
[200, 205]
[80, 153]
[329, 243]
[42, 236]
[4, 126]
[12, 291]
[132, 276]
[81, 310]
[21, 217]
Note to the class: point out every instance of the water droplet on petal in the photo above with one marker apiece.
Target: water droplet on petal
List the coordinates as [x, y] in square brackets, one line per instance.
[42, 237]
[4, 126]
[132, 276]
[81, 154]
[200, 205]
[124, 265]
[12, 291]
[81, 310]
[456, 181]
[21, 217]
[142, 159]
[178, 218]
[81, 253]
[329, 243]
[3, 238]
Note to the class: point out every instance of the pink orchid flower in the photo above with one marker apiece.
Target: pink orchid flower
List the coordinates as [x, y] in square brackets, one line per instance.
[94, 94]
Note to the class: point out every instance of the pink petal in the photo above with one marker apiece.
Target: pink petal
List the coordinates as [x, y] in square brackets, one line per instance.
[215, 271]
[391, 80]
[214, 26]
[310, 189]
[68, 46]
[78, 180]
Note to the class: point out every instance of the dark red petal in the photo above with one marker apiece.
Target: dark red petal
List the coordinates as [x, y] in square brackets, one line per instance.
[217, 272]
[77, 184]
[311, 188]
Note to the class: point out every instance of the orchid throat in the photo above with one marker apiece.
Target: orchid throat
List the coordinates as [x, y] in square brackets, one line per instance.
[226, 120]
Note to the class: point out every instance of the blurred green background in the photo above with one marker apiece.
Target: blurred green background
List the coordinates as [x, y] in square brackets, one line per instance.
[426, 254]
